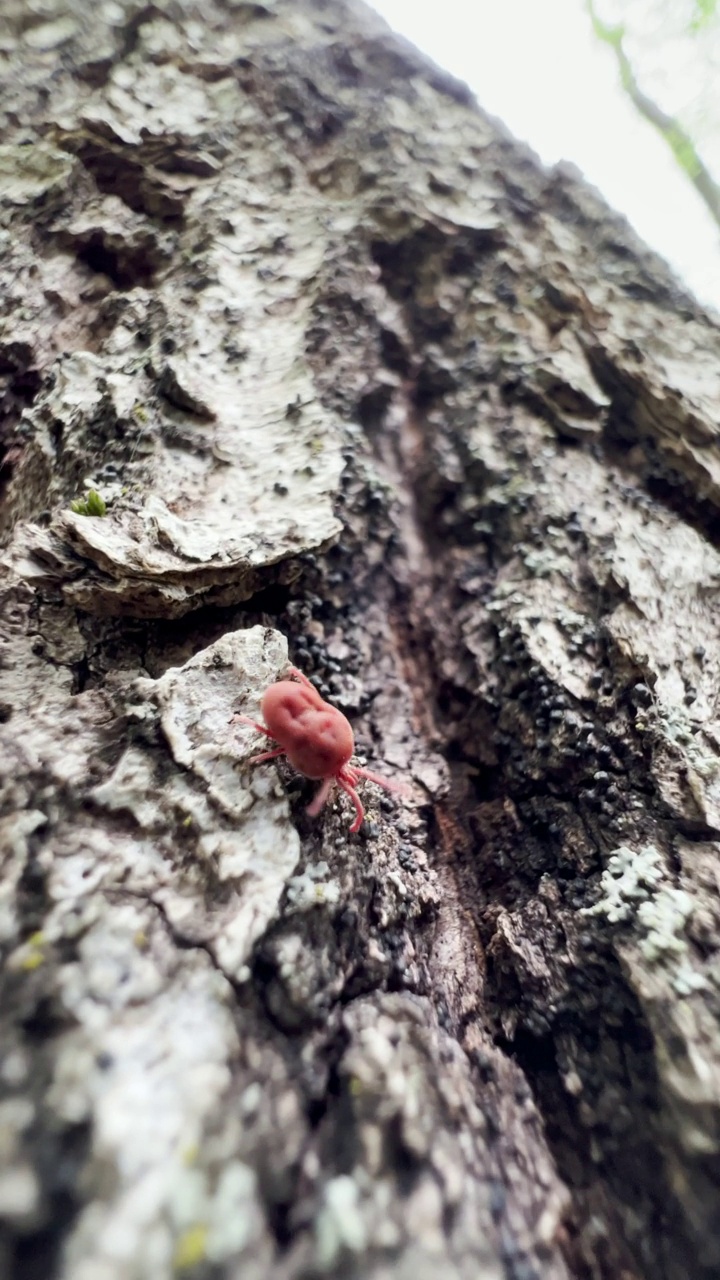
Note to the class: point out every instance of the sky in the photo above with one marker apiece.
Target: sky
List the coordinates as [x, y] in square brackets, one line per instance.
[537, 65]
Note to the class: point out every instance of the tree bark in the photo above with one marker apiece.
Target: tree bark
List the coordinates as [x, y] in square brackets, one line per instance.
[357, 382]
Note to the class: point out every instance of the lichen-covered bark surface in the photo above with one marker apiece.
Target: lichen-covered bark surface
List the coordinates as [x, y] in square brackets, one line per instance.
[360, 387]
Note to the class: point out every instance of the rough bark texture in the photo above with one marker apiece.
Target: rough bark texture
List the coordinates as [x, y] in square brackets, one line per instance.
[357, 380]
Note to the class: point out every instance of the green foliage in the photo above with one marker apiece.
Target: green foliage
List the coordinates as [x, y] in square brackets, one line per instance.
[684, 151]
[612, 35]
[705, 11]
[681, 138]
[92, 505]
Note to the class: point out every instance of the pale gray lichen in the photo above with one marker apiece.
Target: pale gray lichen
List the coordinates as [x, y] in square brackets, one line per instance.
[19, 1195]
[633, 890]
[663, 918]
[630, 878]
[19, 1189]
[698, 744]
[28, 173]
[685, 979]
[232, 1212]
[168, 1071]
[239, 820]
[543, 562]
[340, 1225]
[312, 889]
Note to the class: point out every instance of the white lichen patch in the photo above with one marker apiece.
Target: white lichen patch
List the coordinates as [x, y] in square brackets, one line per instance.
[232, 1218]
[150, 1079]
[236, 820]
[665, 940]
[633, 890]
[145, 1060]
[630, 878]
[312, 888]
[340, 1224]
[19, 1195]
[197, 702]
[692, 774]
[115, 966]
[543, 562]
[394, 1076]
[28, 172]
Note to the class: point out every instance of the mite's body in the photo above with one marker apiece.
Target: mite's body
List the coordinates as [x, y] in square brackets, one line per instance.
[316, 738]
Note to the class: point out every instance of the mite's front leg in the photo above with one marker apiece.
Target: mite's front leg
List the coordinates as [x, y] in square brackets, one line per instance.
[261, 728]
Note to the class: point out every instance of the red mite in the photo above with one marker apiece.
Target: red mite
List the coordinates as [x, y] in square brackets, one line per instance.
[315, 737]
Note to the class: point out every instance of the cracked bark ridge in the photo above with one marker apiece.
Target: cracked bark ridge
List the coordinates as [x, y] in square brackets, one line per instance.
[157, 347]
[348, 367]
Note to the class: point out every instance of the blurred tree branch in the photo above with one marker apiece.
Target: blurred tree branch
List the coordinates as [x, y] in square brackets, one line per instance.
[676, 137]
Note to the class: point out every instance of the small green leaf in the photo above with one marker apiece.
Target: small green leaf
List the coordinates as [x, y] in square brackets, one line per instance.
[96, 505]
[93, 505]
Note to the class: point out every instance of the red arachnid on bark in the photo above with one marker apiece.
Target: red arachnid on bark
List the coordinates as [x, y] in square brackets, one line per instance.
[315, 737]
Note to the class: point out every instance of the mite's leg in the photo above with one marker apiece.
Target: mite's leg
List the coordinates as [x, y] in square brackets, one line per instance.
[238, 719]
[303, 679]
[399, 787]
[267, 755]
[348, 787]
[320, 800]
